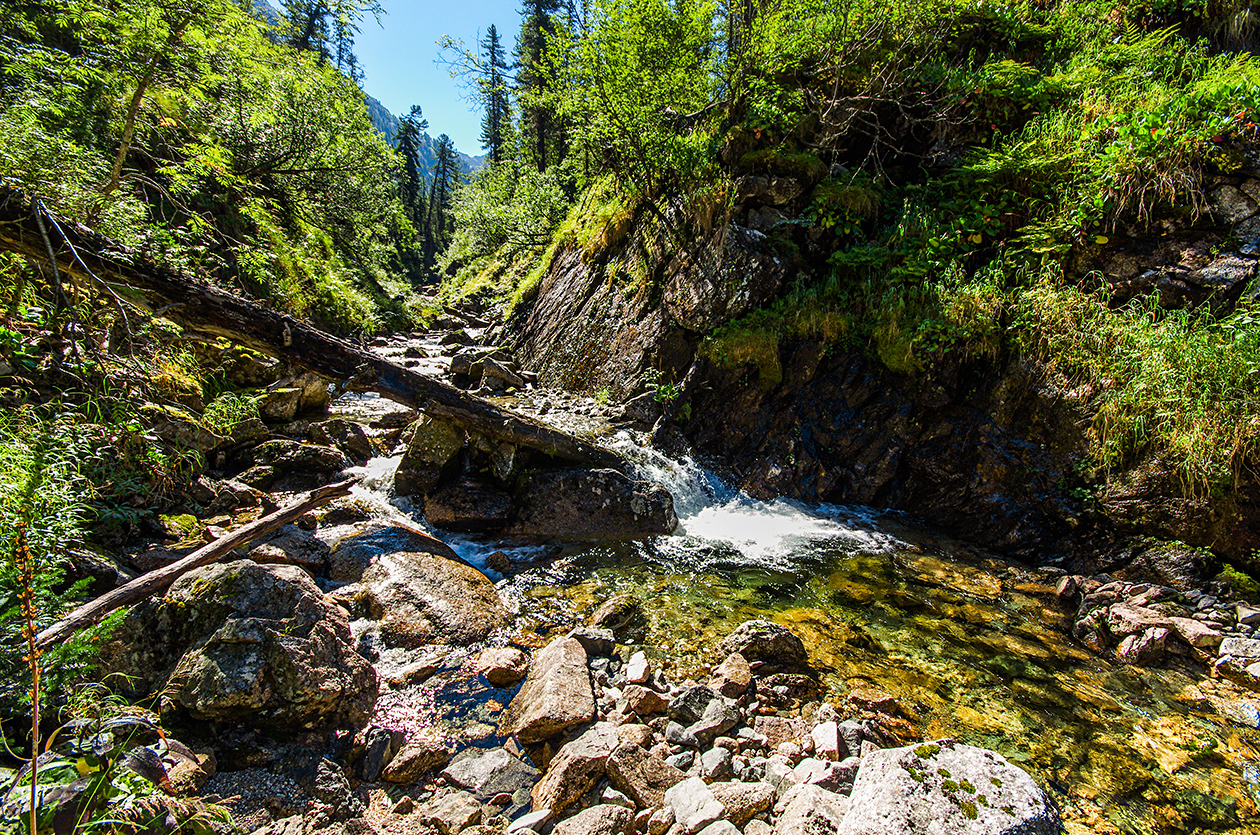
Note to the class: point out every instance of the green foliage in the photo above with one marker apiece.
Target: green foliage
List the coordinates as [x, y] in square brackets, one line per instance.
[42, 495]
[506, 207]
[227, 410]
[185, 131]
[1182, 384]
[99, 774]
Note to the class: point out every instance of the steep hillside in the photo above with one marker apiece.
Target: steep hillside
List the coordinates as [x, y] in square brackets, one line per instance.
[386, 123]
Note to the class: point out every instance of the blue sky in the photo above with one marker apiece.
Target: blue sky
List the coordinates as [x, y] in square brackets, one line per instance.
[400, 66]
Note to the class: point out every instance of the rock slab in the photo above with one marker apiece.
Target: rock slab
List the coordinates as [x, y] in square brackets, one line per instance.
[556, 694]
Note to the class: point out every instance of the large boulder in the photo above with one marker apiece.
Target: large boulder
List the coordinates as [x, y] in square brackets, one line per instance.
[556, 694]
[345, 435]
[468, 505]
[592, 504]
[415, 594]
[305, 459]
[244, 642]
[948, 788]
[761, 640]
[432, 454]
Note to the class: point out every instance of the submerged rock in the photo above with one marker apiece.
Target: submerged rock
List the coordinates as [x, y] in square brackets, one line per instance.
[949, 788]
[761, 640]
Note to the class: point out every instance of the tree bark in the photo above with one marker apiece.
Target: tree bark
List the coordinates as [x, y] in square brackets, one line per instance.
[156, 581]
[210, 310]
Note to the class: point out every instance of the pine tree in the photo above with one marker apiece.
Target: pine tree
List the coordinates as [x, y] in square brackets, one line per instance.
[541, 137]
[496, 123]
[440, 222]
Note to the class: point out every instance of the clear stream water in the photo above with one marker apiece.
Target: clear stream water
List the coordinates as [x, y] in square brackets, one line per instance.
[973, 647]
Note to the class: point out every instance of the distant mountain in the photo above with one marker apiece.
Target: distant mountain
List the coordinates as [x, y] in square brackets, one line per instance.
[387, 124]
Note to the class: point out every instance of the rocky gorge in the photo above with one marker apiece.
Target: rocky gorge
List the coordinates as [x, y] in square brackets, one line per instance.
[768, 668]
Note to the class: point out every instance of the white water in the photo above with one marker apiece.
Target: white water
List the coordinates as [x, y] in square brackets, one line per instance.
[768, 533]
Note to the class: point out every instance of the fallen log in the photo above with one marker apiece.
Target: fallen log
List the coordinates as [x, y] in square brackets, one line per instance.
[210, 310]
[155, 581]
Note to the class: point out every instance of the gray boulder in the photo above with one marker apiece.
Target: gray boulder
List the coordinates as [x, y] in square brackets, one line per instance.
[948, 788]
[432, 454]
[488, 773]
[244, 642]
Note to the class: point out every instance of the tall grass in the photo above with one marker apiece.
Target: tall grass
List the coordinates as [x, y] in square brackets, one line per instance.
[1177, 383]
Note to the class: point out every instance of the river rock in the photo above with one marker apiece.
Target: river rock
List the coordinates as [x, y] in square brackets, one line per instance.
[488, 773]
[694, 805]
[644, 702]
[642, 775]
[732, 677]
[415, 760]
[1196, 633]
[418, 599]
[591, 504]
[688, 706]
[903, 790]
[1145, 648]
[556, 695]
[1240, 647]
[761, 640]
[353, 554]
[604, 819]
[468, 505]
[290, 545]
[432, 454]
[717, 719]
[780, 729]
[827, 741]
[451, 814]
[243, 642]
[291, 457]
[497, 375]
[598, 643]
[639, 668]
[743, 800]
[622, 614]
[1123, 619]
[575, 768]
[345, 435]
[715, 764]
[503, 666]
[279, 403]
[812, 810]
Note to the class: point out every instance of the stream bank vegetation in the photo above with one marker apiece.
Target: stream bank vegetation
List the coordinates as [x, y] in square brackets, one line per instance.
[966, 170]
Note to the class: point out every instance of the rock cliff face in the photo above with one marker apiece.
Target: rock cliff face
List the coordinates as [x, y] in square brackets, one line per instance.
[987, 450]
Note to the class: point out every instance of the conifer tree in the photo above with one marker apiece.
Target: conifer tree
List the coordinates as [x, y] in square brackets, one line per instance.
[439, 222]
[542, 141]
[496, 123]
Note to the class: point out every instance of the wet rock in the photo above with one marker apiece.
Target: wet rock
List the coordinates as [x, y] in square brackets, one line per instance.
[415, 760]
[812, 810]
[905, 790]
[743, 800]
[591, 504]
[451, 814]
[345, 435]
[604, 819]
[432, 454]
[694, 805]
[761, 640]
[732, 677]
[380, 746]
[503, 666]
[279, 403]
[598, 643]
[622, 614]
[290, 545]
[872, 698]
[251, 643]
[469, 506]
[1143, 649]
[575, 768]
[487, 773]
[642, 775]
[291, 457]
[1123, 619]
[556, 695]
